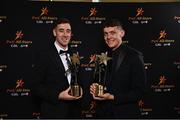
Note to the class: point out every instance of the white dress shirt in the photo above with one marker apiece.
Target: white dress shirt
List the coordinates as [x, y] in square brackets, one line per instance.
[64, 61]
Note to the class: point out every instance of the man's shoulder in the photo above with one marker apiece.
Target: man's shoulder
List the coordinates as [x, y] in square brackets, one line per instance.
[44, 53]
[135, 54]
[133, 51]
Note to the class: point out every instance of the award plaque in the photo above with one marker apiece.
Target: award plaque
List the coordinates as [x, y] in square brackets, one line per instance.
[74, 69]
[99, 89]
[75, 90]
[100, 72]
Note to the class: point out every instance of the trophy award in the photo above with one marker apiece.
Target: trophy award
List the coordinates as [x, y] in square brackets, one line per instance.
[74, 69]
[100, 72]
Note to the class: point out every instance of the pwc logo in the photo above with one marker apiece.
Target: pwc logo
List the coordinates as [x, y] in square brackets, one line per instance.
[19, 41]
[90, 112]
[139, 17]
[162, 40]
[163, 85]
[44, 17]
[91, 17]
[143, 108]
[19, 89]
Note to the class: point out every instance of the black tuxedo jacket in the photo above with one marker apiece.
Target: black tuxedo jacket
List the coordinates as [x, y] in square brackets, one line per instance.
[48, 81]
[126, 81]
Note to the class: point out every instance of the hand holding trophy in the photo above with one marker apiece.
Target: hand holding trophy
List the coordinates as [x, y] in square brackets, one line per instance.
[76, 89]
[99, 72]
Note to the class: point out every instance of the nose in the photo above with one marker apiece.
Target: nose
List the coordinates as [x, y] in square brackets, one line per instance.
[108, 36]
[65, 33]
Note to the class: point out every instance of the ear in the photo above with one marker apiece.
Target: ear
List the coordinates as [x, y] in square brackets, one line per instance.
[54, 32]
[122, 33]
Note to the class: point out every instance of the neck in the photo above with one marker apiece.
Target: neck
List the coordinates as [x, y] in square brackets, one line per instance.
[61, 46]
[113, 49]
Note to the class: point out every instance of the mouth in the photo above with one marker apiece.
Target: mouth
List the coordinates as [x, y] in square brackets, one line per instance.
[110, 41]
[65, 39]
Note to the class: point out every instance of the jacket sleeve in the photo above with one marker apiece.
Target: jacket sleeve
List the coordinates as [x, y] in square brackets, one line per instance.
[39, 87]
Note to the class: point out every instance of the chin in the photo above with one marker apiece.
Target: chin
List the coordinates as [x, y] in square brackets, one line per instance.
[110, 46]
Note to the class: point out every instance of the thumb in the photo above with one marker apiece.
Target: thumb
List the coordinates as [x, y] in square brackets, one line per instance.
[68, 88]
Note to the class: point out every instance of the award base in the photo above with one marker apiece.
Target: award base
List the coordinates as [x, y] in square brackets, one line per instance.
[99, 89]
[75, 90]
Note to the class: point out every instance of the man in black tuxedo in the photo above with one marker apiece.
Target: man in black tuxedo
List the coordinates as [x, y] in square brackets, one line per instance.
[52, 78]
[125, 79]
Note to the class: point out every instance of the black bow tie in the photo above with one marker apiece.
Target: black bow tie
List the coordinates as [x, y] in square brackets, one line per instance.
[63, 51]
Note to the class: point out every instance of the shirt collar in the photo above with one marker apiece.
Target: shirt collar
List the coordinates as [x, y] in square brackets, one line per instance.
[58, 47]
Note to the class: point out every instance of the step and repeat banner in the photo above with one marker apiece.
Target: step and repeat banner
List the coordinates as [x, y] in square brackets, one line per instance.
[152, 28]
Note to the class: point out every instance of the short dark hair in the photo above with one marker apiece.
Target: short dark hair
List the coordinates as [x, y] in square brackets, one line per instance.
[61, 20]
[112, 23]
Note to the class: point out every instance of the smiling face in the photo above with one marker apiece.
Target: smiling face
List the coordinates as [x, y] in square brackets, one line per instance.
[113, 36]
[62, 32]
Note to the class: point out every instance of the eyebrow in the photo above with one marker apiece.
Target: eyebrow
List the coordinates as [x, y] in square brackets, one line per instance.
[64, 29]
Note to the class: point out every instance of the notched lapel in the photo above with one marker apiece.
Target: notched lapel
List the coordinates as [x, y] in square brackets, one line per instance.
[120, 59]
[56, 59]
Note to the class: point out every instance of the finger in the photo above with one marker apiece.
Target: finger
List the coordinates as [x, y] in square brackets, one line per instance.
[68, 89]
[94, 84]
[70, 97]
[81, 91]
[97, 98]
[92, 87]
[92, 92]
[78, 97]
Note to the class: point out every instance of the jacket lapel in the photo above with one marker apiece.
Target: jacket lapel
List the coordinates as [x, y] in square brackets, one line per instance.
[115, 66]
[56, 59]
[120, 59]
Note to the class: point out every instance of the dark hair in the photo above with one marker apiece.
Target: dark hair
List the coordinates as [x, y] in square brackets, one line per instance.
[112, 23]
[60, 21]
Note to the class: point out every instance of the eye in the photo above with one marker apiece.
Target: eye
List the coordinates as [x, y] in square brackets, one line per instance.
[68, 31]
[61, 30]
[112, 32]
